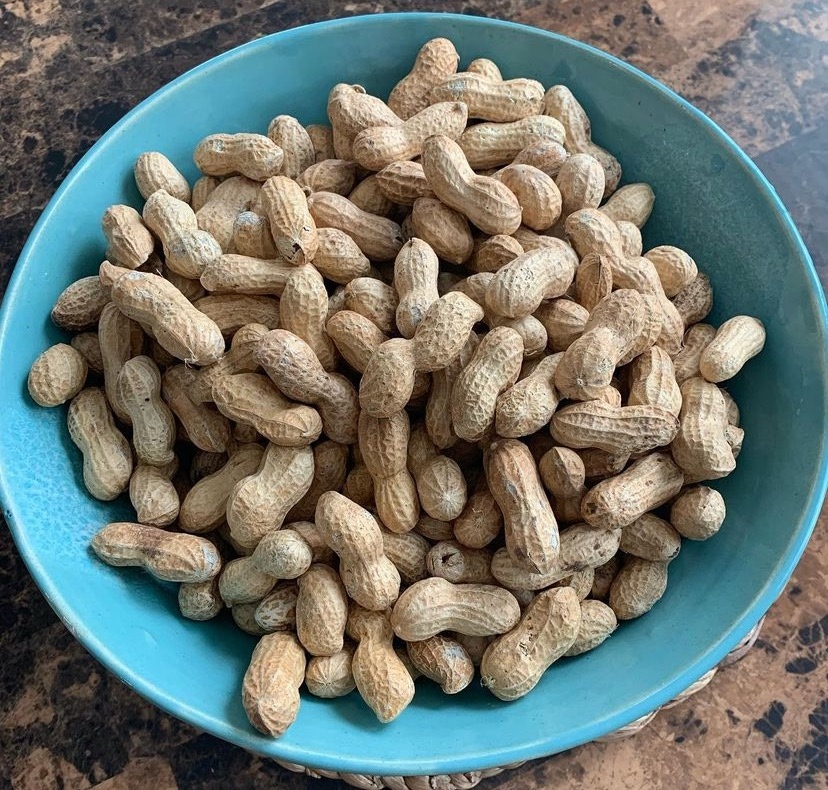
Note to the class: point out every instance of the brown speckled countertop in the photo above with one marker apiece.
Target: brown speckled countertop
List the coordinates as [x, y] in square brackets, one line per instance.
[71, 68]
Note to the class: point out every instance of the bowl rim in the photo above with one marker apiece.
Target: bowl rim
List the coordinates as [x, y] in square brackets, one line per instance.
[536, 748]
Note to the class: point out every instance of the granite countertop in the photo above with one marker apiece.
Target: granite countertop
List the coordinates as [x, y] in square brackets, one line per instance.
[72, 68]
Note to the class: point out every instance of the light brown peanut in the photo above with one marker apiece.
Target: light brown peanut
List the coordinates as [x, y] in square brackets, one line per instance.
[329, 175]
[436, 61]
[537, 193]
[388, 380]
[632, 243]
[528, 405]
[598, 622]
[260, 502]
[370, 578]
[559, 103]
[331, 676]
[480, 522]
[440, 482]
[168, 556]
[291, 223]
[321, 611]
[204, 426]
[204, 507]
[487, 145]
[116, 333]
[153, 426]
[378, 237]
[277, 610]
[696, 340]
[202, 189]
[283, 554]
[187, 248]
[251, 155]
[383, 443]
[57, 375]
[153, 171]
[651, 538]
[381, 678]
[433, 529]
[676, 269]
[408, 553]
[564, 321]
[443, 660]
[493, 252]
[153, 495]
[581, 183]
[433, 605]
[107, 459]
[251, 236]
[88, 345]
[545, 154]
[698, 513]
[242, 582]
[330, 467]
[415, 281]
[129, 242]
[737, 340]
[637, 587]
[653, 381]
[700, 447]
[79, 305]
[445, 230]
[296, 371]
[529, 524]
[240, 274]
[244, 616]
[304, 310]
[368, 196]
[494, 368]
[200, 600]
[297, 147]
[631, 203]
[239, 359]
[501, 101]
[231, 311]
[351, 110]
[514, 663]
[229, 199]
[373, 299]
[321, 136]
[647, 484]
[403, 182]
[270, 692]
[338, 257]
[355, 336]
[460, 564]
[604, 574]
[487, 203]
[695, 301]
[563, 475]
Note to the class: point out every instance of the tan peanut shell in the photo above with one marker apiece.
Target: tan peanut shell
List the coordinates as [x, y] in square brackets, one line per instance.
[291, 222]
[494, 252]
[373, 299]
[351, 110]
[490, 100]
[200, 600]
[686, 362]
[321, 611]
[355, 336]
[460, 564]
[645, 485]
[438, 407]
[169, 556]
[88, 345]
[638, 587]
[321, 136]
[436, 61]
[270, 692]
[564, 321]
[632, 243]
[107, 459]
[700, 447]
[129, 242]
[57, 375]
[433, 605]
[329, 175]
[251, 155]
[297, 147]
[415, 281]
[338, 257]
[368, 196]
[283, 554]
[304, 310]
[330, 467]
[153, 425]
[698, 513]
[331, 676]
[296, 371]
[487, 203]
[676, 269]
[203, 508]
[514, 663]
[581, 183]
[529, 524]
[229, 199]
[79, 306]
[562, 472]
[695, 301]
[116, 334]
[651, 538]
[547, 155]
[408, 553]
[244, 616]
[598, 622]
[251, 236]
[403, 182]
[580, 581]
[604, 574]
[381, 677]
[153, 496]
[239, 359]
[443, 660]
[352, 532]
[528, 405]
[241, 582]
[494, 368]
[433, 529]
[631, 203]
[153, 171]
[653, 381]
[445, 230]
[240, 274]
[737, 340]
[277, 610]
[537, 193]
[202, 189]
[378, 237]
[489, 145]
[480, 522]
[203, 425]
[440, 482]
[231, 311]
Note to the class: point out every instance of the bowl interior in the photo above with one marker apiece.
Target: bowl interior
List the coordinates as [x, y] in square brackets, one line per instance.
[710, 201]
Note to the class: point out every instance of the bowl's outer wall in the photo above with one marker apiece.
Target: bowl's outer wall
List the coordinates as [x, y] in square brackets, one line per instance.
[710, 202]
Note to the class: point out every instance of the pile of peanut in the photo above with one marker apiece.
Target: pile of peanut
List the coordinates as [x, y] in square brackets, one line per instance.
[401, 392]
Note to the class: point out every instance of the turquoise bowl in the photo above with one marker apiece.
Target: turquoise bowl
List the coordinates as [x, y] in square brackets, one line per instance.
[711, 201]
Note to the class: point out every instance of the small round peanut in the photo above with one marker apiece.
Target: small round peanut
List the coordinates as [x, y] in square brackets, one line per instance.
[537, 193]
[153, 171]
[321, 611]
[698, 513]
[331, 676]
[638, 587]
[153, 496]
[737, 340]
[443, 660]
[79, 306]
[480, 522]
[251, 155]
[581, 183]
[651, 538]
[277, 610]
[241, 582]
[200, 600]
[676, 269]
[440, 482]
[598, 622]
[169, 556]
[57, 375]
[445, 230]
[129, 242]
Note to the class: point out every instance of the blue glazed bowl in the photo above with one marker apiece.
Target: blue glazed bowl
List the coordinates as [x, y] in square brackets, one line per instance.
[711, 201]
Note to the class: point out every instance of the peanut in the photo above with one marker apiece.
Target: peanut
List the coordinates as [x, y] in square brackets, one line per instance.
[604, 574]
[598, 622]
[433, 605]
[117, 335]
[321, 611]
[373, 299]
[130, 243]
[580, 582]
[202, 189]
[79, 306]
[436, 61]
[490, 100]
[368, 196]
[696, 340]
[244, 616]
[239, 359]
[700, 447]
[381, 678]
[204, 426]
[88, 345]
[415, 281]
[260, 502]
[547, 155]
[283, 554]
[564, 321]
[153, 425]
[370, 578]
[291, 222]
[231, 311]
[653, 381]
[487, 145]
[338, 257]
[651, 538]
[440, 482]
[460, 564]
[480, 522]
[737, 340]
[676, 269]
[529, 524]
[581, 183]
[351, 110]
[297, 147]
[242, 582]
[57, 375]
[698, 513]
[321, 136]
[563, 474]
[647, 484]
[199, 600]
[487, 203]
[153, 495]
[638, 587]
[433, 529]
[329, 175]
[296, 371]
[631, 203]
[270, 693]
[331, 676]
[443, 660]
[229, 199]
[330, 467]
[408, 553]
[403, 182]
[251, 155]
[153, 171]
[239, 274]
[514, 663]
[537, 193]
[494, 252]
[107, 460]
[445, 230]
[528, 405]
[277, 610]
[632, 244]
[304, 310]
[695, 301]
[168, 556]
